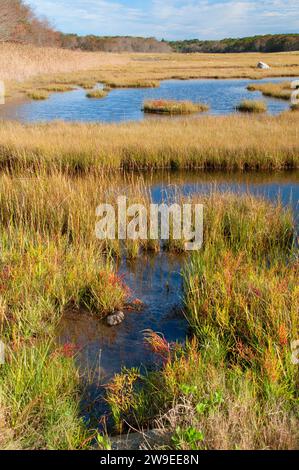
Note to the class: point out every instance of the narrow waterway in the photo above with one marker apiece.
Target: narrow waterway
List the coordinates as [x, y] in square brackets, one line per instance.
[156, 280]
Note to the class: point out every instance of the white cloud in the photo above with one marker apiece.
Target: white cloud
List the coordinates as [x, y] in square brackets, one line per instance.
[205, 19]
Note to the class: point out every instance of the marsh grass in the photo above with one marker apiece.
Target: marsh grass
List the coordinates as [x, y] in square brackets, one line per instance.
[97, 94]
[21, 62]
[233, 385]
[252, 106]
[173, 107]
[51, 261]
[25, 67]
[224, 143]
[120, 83]
[273, 90]
[87, 85]
[40, 388]
[39, 383]
[58, 88]
[38, 95]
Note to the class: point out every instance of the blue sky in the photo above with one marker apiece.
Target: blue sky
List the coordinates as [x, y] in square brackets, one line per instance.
[172, 19]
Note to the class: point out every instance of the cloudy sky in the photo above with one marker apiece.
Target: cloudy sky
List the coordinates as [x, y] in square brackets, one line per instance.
[172, 19]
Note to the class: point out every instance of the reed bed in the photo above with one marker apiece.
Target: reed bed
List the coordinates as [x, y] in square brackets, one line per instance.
[225, 143]
[20, 62]
[231, 386]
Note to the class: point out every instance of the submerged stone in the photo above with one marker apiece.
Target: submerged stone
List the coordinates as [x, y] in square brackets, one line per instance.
[115, 319]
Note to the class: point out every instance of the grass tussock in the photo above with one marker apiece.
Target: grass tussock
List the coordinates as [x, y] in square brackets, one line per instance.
[173, 107]
[252, 106]
[97, 94]
[86, 85]
[226, 143]
[38, 95]
[119, 83]
[58, 88]
[280, 91]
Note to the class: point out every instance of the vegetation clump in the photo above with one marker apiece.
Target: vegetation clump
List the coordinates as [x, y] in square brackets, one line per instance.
[173, 107]
[38, 95]
[58, 88]
[252, 106]
[120, 83]
[97, 94]
[86, 85]
[280, 91]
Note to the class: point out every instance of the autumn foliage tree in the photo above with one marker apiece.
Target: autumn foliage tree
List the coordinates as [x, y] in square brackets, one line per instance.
[18, 23]
[11, 14]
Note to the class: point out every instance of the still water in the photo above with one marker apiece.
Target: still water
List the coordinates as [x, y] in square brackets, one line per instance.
[125, 104]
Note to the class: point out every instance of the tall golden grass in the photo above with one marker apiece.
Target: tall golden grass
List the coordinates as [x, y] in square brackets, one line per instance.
[273, 90]
[252, 106]
[230, 142]
[21, 62]
[173, 107]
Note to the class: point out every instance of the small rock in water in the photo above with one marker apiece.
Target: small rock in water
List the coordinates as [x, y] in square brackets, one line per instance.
[115, 319]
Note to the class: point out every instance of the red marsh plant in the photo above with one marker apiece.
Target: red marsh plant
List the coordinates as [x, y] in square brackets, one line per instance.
[107, 293]
[120, 394]
[248, 305]
[158, 344]
[68, 350]
[173, 107]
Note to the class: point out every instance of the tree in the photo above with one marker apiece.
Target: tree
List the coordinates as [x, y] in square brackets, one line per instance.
[12, 13]
[18, 23]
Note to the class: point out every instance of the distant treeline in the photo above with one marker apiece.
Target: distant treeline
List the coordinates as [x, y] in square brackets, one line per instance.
[113, 44]
[268, 43]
